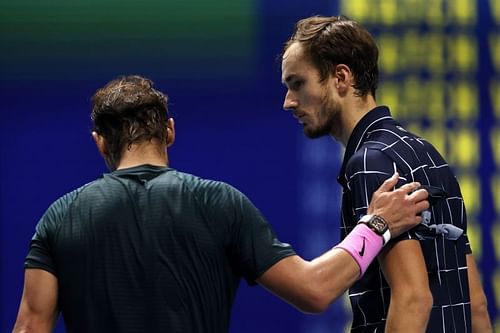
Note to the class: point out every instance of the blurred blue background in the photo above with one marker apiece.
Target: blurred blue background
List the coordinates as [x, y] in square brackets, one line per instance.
[217, 60]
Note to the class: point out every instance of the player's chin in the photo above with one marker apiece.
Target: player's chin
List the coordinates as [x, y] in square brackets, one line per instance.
[312, 132]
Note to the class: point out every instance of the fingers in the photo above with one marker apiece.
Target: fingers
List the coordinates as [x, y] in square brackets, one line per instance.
[389, 183]
[422, 204]
[408, 188]
[419, 195]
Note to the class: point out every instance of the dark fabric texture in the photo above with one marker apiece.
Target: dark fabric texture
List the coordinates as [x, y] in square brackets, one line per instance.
[151, 249]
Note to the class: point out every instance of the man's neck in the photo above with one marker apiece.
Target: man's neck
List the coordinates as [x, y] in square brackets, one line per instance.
[143, 153]
[354, 109]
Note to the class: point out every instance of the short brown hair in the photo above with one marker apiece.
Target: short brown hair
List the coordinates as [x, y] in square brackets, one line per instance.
[129, 110]
[329, 41]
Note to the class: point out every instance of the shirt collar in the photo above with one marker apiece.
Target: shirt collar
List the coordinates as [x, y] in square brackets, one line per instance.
[359, 133]
[143, 173]
[140, 168]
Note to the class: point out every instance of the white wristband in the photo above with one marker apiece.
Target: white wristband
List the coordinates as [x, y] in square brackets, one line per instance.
[387, 236]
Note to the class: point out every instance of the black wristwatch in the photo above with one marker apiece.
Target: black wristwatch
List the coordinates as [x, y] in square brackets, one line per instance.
[377, 224]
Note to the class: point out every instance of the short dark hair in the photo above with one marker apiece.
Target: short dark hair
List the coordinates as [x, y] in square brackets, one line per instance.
[126, 111]
[329, 41]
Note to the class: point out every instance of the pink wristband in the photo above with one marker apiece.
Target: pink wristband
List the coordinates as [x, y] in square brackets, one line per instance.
[363, 244]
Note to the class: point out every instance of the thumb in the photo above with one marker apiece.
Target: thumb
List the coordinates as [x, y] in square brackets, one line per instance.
[389, 183]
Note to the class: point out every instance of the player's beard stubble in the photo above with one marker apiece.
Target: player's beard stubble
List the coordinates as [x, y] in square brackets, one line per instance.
[328, 119]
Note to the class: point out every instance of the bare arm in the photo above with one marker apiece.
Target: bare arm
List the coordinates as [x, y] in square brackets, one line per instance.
[312, 285]
[480, 318]
[38, 309]
[411, 300]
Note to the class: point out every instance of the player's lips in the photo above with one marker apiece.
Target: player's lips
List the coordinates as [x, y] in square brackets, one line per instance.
[299, 116]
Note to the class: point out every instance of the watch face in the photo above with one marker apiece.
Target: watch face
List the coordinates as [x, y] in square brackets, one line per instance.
[379, 225]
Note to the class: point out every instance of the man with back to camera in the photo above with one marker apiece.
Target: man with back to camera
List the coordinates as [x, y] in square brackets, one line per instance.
[147, 248]
[426, 279]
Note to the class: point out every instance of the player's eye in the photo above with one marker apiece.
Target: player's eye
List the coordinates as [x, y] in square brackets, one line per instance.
[295, 85]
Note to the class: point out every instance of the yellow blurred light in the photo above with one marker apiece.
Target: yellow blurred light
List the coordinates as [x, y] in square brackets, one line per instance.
[495, 191]
[496, 239]
[495, 93]
[389, 95]
[434, 12]
[470, 186]
[495, 13]
[494, 43]
[465, 102]
[359, 10]
[435, 59]
[496, 289]
[463, 12]
[462, 51]
[495, 145]
[389, 53]
[474, 235]
[435, 98]
[436, 134]
[389, 11]
[464, 148]
[411, 49]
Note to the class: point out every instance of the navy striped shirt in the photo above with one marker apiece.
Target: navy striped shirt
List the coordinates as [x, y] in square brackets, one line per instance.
[378, 146]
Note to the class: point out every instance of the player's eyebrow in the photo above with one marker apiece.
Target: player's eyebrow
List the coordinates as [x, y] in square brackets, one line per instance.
[289, 78]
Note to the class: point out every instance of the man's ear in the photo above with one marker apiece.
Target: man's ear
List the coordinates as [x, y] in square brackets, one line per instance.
[170, 131]
[343, 78]
[100, 142]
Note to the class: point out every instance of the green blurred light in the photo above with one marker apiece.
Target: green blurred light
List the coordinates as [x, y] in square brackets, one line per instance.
[89, 39]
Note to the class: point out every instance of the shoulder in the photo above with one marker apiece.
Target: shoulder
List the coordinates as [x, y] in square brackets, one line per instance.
[207, 190]
[368, 158]
[394, 137]
[200, 184]
[392, 141]
[59, 208]
[391, 135]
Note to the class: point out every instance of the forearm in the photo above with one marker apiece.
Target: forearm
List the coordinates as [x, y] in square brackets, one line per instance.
[407, 315]
[333, 273]
[33, 324]
[481, 322]
[411, 300]
[38, 310]
[313, 286]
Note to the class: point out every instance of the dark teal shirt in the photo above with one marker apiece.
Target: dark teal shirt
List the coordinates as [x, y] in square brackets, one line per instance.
[151, 249]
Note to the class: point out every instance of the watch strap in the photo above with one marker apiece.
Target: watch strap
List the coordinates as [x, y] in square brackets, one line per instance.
[366, 219]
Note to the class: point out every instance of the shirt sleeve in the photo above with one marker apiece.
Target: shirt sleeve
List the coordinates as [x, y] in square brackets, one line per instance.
[367, 169]
[250, 241]
[40, 253]
[255, 242]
